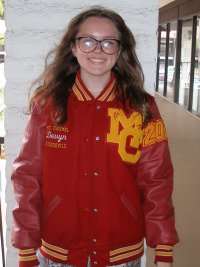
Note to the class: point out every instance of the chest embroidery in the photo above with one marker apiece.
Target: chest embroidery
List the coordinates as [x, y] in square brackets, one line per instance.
[55, 136]
[123, 129]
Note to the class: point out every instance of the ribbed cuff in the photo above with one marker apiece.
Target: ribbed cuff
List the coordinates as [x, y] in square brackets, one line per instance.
[163, 253]
[28, 258]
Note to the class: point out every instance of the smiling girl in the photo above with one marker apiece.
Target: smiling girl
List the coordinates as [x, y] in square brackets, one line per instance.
[92, 199]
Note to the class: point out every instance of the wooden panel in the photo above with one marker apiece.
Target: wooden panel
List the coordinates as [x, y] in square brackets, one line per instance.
[189, 9]
[174, 4]
[168, 15]
[168, 7]
[178, 10]
[181, 2]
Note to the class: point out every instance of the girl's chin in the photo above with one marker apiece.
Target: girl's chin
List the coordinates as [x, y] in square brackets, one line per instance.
[95, 72]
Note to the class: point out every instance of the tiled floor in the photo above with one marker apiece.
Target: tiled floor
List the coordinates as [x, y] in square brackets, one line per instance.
[183, 130]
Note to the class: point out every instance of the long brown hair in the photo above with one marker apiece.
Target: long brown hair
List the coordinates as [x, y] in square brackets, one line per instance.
[58, 77]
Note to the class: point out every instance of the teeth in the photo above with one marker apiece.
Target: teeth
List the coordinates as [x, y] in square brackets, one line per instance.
[97, 60]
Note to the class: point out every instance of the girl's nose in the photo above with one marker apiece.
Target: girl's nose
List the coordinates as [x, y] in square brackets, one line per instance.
[98, 48]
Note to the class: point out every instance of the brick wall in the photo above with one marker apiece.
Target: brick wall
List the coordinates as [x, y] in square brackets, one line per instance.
[33, 28]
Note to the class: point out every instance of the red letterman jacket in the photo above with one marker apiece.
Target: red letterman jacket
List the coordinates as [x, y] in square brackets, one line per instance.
[95, 186]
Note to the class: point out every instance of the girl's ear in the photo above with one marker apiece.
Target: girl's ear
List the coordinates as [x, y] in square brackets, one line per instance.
[73, 48]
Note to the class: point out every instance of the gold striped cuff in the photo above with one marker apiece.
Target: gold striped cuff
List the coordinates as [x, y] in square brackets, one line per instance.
[163, 250]
[27, 254]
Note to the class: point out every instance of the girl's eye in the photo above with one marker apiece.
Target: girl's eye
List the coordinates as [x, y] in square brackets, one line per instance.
[108, 43]
[87, 42]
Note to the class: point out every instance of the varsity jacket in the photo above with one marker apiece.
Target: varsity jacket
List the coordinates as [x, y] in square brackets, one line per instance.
[95, 186]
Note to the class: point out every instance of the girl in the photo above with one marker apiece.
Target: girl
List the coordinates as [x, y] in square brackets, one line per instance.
[94, 175]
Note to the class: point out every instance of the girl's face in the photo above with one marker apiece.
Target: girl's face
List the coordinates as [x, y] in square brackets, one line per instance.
[96, 63]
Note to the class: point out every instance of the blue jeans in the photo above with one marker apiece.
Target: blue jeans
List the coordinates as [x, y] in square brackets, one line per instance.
[48, 263]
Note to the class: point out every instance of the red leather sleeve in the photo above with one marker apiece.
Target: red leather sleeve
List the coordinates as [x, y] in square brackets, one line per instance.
[27, 179]
[155, 180]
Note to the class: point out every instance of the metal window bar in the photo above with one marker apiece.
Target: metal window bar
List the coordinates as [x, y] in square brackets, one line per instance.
[178, 59]
[194, 33]
[166, 60]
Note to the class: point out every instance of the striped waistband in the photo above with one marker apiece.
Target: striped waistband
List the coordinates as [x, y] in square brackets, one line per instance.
[122, 253]
[126, 252]
[54, 251]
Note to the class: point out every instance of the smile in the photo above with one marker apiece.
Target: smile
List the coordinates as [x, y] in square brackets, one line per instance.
[96, 60]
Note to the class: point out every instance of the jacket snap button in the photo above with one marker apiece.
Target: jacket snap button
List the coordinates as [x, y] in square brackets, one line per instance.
[94, 240]
[94, 252]
[95, 262]
[98, 107]
[96, 174]
[95, 210]
[97, 138]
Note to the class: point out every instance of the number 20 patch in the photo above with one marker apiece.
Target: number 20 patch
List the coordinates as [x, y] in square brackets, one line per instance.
[154, 132]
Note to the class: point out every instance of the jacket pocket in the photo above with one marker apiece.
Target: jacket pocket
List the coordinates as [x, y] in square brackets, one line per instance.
[50, 208]
[127, 204]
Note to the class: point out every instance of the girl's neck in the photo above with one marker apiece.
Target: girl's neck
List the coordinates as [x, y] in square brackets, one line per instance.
[94, 83]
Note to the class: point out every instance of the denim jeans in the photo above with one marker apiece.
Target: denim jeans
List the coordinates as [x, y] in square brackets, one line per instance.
[48, 263]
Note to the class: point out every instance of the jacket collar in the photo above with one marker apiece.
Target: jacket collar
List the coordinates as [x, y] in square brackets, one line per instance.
[83, 94]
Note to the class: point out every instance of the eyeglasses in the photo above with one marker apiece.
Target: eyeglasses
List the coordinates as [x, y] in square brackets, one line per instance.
[89, 44]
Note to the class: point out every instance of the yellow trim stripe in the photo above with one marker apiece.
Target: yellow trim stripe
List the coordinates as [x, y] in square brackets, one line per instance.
[163, 247]
[159, 253]
[116, 251]
[59, 256]
[28, 258]
[127, 255]
[82, 90]
[107, 91]
[26, 251]
[112, 96]
[78, 94]
[58, 249]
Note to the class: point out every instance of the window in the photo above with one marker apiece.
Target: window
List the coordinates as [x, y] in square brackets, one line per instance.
[178, 63]
[185, 63]
[196, 84]
[162, 59]
[171, 60]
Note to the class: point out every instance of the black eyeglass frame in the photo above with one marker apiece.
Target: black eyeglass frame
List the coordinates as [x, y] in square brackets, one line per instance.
[100, 42]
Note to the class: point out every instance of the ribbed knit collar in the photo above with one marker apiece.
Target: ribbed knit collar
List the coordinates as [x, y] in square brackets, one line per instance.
[83, 93]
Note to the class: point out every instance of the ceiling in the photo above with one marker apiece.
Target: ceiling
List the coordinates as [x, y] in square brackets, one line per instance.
[164, 2]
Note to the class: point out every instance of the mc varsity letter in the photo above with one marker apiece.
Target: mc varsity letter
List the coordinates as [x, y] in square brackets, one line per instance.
[131, 128]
